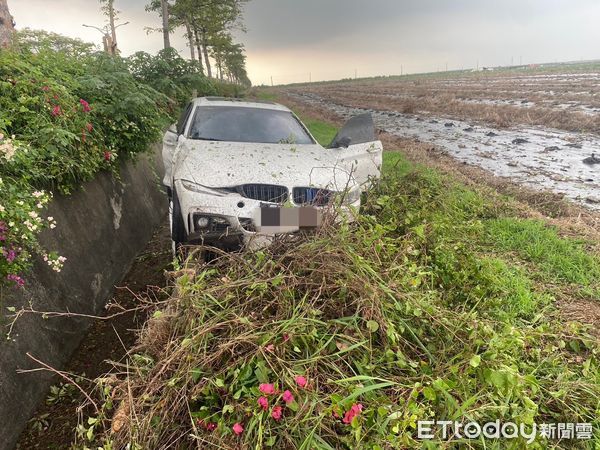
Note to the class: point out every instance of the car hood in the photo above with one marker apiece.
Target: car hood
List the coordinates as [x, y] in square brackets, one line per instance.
[225, 164]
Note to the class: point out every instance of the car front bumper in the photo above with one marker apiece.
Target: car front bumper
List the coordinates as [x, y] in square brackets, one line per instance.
[238, 213]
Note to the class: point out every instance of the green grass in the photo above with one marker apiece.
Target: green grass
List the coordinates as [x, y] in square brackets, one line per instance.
[265, 95]
[561, 259]
[323, 132]
[413, 311]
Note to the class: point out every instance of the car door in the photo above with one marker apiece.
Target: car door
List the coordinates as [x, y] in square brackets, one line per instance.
[170, 141]
[359, 150]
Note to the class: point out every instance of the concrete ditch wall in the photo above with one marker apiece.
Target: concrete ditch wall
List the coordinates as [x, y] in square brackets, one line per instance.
[100, 230]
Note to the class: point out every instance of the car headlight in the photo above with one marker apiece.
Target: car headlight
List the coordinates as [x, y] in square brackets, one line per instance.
[350, 196]
[195, 187]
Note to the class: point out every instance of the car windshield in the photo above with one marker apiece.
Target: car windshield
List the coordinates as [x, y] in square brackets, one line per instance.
[243, 124]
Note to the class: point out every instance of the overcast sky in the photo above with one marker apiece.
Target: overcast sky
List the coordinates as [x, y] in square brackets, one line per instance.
[292, 40]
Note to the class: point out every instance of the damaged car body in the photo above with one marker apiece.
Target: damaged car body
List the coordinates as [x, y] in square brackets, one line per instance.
[238, 172]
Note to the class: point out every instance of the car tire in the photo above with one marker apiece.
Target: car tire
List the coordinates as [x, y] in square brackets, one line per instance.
[178, 234]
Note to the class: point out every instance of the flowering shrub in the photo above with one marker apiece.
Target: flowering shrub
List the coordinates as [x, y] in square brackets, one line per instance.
[21, 219]
[66, 113]
[78, 115]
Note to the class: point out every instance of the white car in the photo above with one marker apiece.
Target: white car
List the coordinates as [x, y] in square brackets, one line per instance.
[237, 170]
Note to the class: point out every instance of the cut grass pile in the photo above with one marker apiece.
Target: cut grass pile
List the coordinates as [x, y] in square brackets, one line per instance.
[422, 309]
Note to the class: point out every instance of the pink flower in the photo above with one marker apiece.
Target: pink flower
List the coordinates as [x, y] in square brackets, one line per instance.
[263, 402]
[89, 127]
[300, 381]
[210, 426]
[286, 337]
[266, 388]
[238, 428]
[86, 105]
[276, 413]
[107, 156]
[287, 397]
[10, 254]
[352, 413]
[16, 279]
[45, 88]
[270, 348]
[56, 111]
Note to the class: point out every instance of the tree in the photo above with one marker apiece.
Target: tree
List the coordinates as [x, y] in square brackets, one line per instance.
[109, 10]
[165, 22]
[7, 24]
[205, 21]
[109, 31]
[35, 41]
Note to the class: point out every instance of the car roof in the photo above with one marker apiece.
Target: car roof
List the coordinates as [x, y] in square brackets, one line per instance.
[238, 102]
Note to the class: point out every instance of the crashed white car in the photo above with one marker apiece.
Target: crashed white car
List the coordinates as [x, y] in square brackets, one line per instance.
[236, 171]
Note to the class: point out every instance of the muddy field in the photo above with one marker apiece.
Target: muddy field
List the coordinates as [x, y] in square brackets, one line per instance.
[533, 127]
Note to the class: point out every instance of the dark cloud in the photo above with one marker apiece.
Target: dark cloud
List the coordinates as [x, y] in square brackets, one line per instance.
[294, 40]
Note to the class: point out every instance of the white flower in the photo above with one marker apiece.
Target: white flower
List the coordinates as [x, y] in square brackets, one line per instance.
[52, 226]
[33, 214]
[50, 219]
[2, 208]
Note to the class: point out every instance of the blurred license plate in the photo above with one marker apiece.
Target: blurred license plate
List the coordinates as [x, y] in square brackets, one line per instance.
[276, 219]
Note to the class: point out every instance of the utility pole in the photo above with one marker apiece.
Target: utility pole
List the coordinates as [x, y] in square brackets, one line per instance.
[165, 23]
[271, 80]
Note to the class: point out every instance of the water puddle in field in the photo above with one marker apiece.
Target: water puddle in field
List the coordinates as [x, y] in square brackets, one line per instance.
[544, 159]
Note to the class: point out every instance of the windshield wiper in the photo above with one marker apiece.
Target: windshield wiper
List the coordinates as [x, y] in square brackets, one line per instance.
[197, 138]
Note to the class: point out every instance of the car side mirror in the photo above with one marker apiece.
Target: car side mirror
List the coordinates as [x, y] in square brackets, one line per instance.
[342, 142]
[358, 130]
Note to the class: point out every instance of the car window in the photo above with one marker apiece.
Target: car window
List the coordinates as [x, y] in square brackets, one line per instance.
[183, 118]
[242, 124]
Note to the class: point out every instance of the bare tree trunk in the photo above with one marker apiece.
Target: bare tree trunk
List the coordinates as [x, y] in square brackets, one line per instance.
[205, 50]
[7, 25]
[199, 47]
[190, 36]
[165, 20]
[113, 32]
